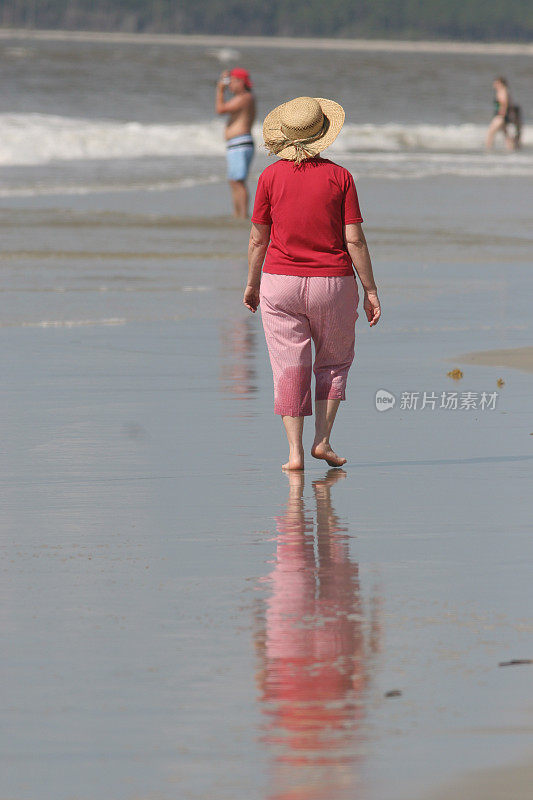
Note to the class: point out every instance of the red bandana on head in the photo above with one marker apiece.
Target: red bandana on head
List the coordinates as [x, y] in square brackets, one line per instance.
[243, 75]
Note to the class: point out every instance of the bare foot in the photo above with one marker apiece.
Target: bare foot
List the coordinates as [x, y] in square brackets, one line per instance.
[296, 461]
[324, 451]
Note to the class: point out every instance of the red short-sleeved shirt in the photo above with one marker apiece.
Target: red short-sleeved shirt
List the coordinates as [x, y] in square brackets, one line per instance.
[307, 205]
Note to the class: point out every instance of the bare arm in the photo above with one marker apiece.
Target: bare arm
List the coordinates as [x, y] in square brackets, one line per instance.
[358, 252]
[236, 103]
[257, 247]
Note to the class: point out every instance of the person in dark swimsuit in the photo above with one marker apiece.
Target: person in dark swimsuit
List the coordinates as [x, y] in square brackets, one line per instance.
[505, 113]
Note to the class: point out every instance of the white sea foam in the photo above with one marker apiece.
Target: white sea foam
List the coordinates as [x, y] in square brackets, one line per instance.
[393, 137]
[27, 139]
[224, 54]
[148, 185]
[44, 138]
[73, 323]
[389, 150]
[427, 164]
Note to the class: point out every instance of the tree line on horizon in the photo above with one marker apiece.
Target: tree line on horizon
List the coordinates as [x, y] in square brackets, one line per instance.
[481, 20]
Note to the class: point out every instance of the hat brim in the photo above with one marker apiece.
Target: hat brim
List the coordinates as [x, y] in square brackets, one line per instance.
[272, 128]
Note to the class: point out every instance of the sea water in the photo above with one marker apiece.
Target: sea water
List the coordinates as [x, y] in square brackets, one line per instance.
[78, 115]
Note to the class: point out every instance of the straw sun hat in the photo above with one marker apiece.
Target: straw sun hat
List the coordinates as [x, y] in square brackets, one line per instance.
[302, 128]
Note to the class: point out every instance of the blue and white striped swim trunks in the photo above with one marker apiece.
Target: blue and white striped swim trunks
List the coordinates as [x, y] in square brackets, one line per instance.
[239, 154]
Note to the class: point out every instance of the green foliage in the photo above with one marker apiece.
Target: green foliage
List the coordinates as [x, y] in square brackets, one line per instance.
[483, 20]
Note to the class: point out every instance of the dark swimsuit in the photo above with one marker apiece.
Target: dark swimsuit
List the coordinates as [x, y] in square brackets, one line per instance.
[510, 114]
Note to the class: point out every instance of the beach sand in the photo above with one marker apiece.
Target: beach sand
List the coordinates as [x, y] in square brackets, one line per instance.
[516, 358]
[513, 782]
[144, 511]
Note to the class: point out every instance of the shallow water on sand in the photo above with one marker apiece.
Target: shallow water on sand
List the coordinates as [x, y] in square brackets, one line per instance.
[180, 618]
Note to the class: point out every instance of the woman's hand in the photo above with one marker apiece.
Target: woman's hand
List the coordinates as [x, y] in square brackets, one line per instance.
[257, 247]
[251, 297]
[372, 307]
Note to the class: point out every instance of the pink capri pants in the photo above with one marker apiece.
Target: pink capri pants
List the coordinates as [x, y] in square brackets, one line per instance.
[296, 311]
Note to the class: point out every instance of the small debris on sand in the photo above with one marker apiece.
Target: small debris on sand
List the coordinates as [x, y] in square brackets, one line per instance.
[456, 374]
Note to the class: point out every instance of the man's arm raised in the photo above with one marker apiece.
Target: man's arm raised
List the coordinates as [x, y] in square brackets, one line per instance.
[229, 106]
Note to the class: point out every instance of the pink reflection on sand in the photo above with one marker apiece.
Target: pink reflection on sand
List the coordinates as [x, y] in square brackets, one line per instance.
[314, 650]
[238, 345]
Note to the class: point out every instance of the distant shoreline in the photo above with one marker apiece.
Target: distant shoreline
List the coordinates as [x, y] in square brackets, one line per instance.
[368, 45]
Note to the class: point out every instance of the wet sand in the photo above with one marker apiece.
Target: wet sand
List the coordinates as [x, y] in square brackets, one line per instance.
[493, 784]
[516, 358]
[182, 619]
[276, 42]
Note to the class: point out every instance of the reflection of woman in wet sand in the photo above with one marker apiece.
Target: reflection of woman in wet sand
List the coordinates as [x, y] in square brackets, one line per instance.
[313, 651]
[238, 373]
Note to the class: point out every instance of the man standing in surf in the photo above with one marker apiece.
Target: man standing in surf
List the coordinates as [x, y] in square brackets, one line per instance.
[238, 134]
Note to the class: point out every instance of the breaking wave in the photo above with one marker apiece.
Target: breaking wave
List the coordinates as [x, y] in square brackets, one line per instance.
[31, 139]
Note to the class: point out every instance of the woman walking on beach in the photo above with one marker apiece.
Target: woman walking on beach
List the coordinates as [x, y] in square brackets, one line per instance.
[307, 223]
[505, 113]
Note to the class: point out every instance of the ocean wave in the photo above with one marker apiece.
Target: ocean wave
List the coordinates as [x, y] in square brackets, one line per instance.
[396, 138]
[31, 139]
[38, 139]
[428, 165]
